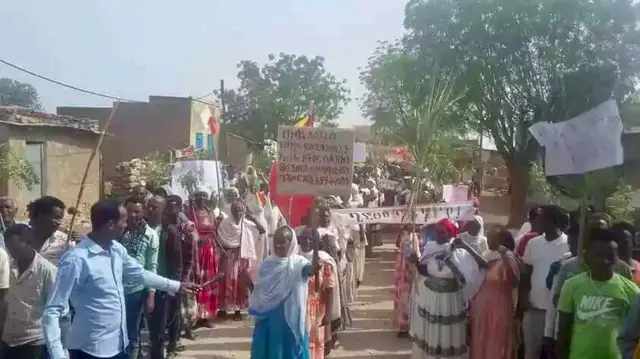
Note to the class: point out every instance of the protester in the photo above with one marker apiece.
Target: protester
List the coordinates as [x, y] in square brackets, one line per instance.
[321, 296]
[448, 276]
[140, 193]
[593, 305]
[237, 252]
[569, 267]
[554, 281]
[404, 277]
[531, 230]
[92, 275]
[31, 283]
[272, 214]
[185, 231]
[142, 244]
[494, 329]
[175, 233]
[7, 213]
[539, 254]
[278, 301]
[626, 234]
[474, 235]
[335, 245]
[46, 214]
[206, 225]
[231, 195]
[353, 242]
[527, 226]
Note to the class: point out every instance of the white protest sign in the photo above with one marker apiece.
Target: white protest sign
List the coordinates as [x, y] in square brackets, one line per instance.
[389, 185]
[359, 152]
[452, 193]
[425, 214]
[585, 143]
[315, 161]
[203, 172]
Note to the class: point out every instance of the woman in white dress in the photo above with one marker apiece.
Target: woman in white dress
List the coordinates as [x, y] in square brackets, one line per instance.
[448, 274]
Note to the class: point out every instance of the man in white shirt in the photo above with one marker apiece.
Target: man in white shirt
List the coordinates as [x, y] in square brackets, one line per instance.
[5, 270]
[539, 254]
[45, 215]
[32, 279]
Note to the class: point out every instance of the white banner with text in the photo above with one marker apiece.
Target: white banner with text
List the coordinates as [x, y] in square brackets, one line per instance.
[425, 214]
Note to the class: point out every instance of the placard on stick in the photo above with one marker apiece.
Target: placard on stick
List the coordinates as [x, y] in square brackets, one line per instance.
[315, 161]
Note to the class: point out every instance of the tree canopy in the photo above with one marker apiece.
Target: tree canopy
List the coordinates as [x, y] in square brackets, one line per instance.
[521, 62]
[280, 92]
[16, 93]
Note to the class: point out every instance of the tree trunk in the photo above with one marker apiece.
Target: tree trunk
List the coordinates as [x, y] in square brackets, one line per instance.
[519, 182]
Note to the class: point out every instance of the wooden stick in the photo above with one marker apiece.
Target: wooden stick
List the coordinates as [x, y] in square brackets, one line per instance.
[316, 240]
[86, 170]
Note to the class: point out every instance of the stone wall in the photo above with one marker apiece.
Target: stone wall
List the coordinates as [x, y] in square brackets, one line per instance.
[127, 175]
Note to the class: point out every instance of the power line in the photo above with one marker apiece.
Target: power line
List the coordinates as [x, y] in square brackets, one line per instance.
[64, 84]
[121, 99]
[207, 95]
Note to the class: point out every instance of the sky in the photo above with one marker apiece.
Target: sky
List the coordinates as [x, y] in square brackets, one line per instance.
[133, 49]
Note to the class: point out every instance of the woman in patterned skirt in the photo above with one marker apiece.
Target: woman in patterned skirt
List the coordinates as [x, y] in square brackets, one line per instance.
[448, 273]
[403, 274]
[207, 226]
[320, 297]
[237, 251]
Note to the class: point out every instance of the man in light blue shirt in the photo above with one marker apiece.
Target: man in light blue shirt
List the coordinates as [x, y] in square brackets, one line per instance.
[91, 275]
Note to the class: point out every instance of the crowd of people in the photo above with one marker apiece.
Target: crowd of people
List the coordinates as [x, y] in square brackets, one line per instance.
[153, 261]
[172, 266]
[526, 295]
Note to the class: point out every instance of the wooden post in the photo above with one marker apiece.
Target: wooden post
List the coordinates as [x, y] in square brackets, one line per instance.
[86, 170]
[313, 219]
[582, 224]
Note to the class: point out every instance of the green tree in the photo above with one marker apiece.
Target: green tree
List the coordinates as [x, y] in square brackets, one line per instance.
[279, 93]
[513, 58]
[393, 89]
[16, 93]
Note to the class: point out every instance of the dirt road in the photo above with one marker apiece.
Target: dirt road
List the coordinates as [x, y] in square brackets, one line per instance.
[371, 335]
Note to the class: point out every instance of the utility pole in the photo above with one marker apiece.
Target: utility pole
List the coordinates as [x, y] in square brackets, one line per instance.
[222, 107]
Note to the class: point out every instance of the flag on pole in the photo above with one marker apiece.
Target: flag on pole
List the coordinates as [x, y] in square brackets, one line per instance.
[214, 126]
[307, 120]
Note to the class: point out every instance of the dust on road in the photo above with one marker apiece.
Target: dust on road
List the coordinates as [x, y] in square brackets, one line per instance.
[371, 336]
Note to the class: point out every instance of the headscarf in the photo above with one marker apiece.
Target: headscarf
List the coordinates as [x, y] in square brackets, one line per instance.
[232, 235]
[280, 280]
[463, 260]
[202, 189]
[226, 204]
[449, 226]
[356, 197]
[479, 241]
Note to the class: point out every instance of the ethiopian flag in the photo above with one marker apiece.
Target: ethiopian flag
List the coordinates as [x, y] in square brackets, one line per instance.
[307, 120]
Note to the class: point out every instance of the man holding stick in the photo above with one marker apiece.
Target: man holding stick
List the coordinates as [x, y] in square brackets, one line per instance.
[92, 275]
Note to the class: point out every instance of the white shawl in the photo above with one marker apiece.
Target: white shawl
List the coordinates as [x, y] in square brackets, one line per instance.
[463, 260]
[325, 257]
[232, 235]
[280, 280]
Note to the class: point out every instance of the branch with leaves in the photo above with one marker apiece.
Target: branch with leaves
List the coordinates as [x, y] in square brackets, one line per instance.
[17, 169]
